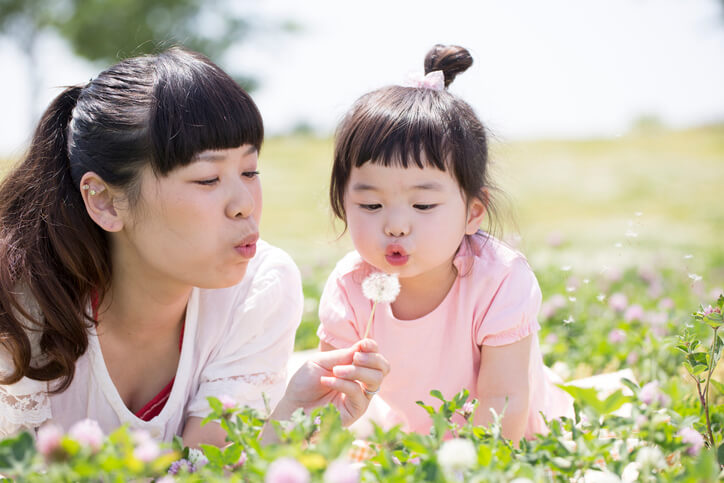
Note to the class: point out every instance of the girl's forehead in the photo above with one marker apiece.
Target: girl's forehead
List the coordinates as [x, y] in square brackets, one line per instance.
[374, 176]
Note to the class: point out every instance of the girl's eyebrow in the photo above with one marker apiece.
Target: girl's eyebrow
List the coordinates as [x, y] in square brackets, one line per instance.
[432, 186]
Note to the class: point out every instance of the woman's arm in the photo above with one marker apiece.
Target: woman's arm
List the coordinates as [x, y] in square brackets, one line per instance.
[504, 375]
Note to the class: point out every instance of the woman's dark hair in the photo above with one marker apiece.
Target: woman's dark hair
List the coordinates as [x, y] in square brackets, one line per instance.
[158, 110]
[407, 126]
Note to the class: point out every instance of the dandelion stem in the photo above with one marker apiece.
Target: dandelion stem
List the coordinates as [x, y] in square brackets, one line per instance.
[369, 321]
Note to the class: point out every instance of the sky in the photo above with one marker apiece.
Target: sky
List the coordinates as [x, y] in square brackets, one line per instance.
[560, 68]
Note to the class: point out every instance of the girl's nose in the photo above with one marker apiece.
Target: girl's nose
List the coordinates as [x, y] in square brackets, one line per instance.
[397, 228]
[241, 202]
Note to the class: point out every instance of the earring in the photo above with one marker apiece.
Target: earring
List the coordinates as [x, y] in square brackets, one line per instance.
[86, 187]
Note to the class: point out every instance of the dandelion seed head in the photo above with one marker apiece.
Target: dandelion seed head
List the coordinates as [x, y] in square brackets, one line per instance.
[381, 287]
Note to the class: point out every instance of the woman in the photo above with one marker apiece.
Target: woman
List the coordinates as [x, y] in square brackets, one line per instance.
[133, 283]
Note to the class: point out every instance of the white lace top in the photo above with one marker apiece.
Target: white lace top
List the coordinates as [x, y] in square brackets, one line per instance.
[236, 342]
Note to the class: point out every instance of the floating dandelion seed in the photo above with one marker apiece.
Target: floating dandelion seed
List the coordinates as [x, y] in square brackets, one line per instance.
[688, 256]
[380, 287]
[695, 277]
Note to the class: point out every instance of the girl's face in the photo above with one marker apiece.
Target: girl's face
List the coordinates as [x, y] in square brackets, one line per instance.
[198, 225]
[409, 221]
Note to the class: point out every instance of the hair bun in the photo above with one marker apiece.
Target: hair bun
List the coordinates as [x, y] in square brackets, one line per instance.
[450, 59]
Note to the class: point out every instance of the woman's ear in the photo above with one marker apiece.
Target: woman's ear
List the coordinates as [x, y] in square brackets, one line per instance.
[476, 212]
[98, 198]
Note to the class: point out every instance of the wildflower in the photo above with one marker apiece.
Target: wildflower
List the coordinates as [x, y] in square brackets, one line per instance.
[693, 438]
[147, 451]
[616, 336]
[601, 297]
[566, 268]
[227, 402]
[287, 470]
[695, 277]
[179, 465]
[711, 310]
[165, 479]
[666, 304]
[618, 302]
[468, 407]
[634, 312]
[457, 454]
[48, 439]
[341, 471]
[87, 433]
[569, 320]
[555, 239]
[240, 462]
[415, 460]
[651, 457]
[632, 358]
[379, 287]
[651, 394]
[197, 457]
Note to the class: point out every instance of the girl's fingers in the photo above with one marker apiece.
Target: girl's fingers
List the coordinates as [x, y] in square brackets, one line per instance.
[356, 402]
[366, 345]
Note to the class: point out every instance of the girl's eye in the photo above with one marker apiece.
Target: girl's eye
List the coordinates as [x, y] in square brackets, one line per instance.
[207, 182]
[250, 174]
[424, 206]
[370, 207]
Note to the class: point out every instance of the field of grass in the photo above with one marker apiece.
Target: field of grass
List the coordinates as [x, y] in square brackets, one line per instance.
[657, 193]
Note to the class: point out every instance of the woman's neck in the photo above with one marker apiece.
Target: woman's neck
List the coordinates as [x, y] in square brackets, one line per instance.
[142, 304]
[423, 293]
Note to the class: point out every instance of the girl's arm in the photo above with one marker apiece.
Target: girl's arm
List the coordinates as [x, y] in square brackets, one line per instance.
[504, 374]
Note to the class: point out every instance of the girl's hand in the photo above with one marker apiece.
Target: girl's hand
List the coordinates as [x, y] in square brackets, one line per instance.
[345, 377]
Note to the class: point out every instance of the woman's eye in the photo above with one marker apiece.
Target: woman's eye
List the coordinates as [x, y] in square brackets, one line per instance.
[250, 174]
[370, 206]
[207, 182]
[424, 206]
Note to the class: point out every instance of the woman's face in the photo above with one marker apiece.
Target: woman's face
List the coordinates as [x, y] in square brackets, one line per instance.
[196, 226]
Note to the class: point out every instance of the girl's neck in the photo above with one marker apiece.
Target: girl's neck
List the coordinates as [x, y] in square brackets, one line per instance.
[423, 293]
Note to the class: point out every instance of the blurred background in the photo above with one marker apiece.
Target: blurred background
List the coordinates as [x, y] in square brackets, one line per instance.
[606, 118]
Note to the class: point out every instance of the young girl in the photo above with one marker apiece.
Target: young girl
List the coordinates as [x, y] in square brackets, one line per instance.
[133, 283]
[410, 181]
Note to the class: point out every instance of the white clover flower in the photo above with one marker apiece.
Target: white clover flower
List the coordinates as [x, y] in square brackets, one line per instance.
[457, 454]
[651, 457]
[197, 457]
[381, 287]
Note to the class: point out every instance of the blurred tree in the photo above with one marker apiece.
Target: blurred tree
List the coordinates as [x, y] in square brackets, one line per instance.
[109, 30]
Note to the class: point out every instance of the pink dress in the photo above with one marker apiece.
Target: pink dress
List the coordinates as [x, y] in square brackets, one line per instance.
[494, 301]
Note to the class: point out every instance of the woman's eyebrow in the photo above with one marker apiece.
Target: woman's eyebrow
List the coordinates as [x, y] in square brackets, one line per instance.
[219, 155]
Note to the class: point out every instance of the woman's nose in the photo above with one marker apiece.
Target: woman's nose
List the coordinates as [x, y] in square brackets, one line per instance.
[241, 202]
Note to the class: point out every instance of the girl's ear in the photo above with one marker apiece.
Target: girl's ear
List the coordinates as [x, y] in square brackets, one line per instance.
[476, 212]
[98, 198]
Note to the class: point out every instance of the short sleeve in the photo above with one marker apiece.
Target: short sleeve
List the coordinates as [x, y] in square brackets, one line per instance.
[23, 405]
[512, 313]
[338, 322]
[248, 369]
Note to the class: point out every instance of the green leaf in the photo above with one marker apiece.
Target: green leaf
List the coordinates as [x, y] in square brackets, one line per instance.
[232, 453]
[214, 454]
[699, 369]
[16, 453]
[720, 454]
[437, 394]
[718, 385]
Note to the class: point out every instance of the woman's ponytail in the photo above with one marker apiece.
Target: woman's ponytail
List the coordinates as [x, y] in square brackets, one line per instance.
[50, 252]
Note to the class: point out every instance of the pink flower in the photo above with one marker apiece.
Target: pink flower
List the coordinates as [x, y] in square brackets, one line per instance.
[147, 451]
[632, 358]
[287, 470]
[693, 438]
[666, 304]
[88, 433]
[555, 239]
[414, 460]
[241, 461]
[551, 338]
[227, 402]
[616, 336]
[634, 312]
[711, 310]
[651, 394]
[618, 302]
[341, 471]
[48, 439]
[468, 407]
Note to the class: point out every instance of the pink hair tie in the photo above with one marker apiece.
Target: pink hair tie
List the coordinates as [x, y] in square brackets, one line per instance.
[434, 80]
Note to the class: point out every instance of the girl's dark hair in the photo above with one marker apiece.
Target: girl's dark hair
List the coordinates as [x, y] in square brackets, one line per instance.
[407, 126]
[158, 110]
